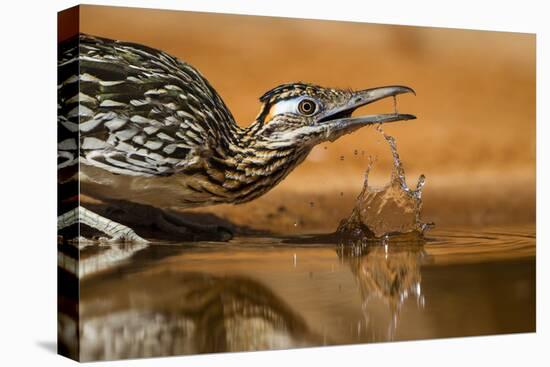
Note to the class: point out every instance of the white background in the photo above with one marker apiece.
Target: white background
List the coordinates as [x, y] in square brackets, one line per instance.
[28, 182]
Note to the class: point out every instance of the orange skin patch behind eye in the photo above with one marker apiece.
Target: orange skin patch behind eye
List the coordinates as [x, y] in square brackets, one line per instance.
[270, 114]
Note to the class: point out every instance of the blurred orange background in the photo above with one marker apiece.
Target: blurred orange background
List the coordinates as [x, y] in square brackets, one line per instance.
[475, 133]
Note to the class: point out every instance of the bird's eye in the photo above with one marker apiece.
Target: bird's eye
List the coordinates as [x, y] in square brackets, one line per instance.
[307, 107]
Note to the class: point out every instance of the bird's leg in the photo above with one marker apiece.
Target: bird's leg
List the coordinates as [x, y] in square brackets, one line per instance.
[162, 224]
[118, 232]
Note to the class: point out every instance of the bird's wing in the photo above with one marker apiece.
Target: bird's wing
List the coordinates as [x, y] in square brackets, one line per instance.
[136, 110]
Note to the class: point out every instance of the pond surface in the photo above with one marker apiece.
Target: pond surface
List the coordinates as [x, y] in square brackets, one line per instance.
[274, 293]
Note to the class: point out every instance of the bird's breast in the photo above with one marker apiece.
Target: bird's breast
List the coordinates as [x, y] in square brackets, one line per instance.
[177, 190]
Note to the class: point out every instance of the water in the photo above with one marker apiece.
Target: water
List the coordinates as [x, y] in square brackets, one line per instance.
[379, 277]
[389, 210]
[273, 293]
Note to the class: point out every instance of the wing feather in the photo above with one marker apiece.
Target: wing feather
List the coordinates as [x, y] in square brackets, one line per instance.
[138, 111]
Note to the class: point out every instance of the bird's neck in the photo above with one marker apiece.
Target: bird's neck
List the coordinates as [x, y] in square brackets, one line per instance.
[252, 167]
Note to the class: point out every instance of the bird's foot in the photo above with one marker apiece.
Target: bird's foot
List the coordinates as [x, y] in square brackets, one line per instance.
[118, 233]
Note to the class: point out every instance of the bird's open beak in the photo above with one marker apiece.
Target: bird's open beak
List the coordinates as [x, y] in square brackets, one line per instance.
[339, 121]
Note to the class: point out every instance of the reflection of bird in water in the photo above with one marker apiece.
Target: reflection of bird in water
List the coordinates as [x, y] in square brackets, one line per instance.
[149, 315]
[389, 273]
[149, 129]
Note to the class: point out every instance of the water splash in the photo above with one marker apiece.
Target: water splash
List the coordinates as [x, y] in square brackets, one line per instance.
[393, 209]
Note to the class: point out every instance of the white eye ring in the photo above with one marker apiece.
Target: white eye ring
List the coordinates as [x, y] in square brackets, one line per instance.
[295, 106]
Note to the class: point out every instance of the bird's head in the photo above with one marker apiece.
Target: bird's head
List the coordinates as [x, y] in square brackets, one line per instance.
[304, 115]
[293, 119]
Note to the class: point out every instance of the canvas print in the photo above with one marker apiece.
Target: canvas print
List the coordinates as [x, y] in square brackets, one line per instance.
[232, 183]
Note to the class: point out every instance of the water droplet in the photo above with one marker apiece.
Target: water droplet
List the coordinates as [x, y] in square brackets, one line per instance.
[311, 204]
[341, 193]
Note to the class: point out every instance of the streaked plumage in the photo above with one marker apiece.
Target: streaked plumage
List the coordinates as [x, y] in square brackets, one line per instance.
[149, 128]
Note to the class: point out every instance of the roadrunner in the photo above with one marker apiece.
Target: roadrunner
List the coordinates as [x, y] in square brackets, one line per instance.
[138, 125]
